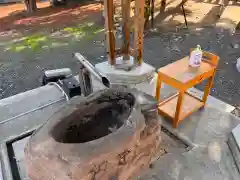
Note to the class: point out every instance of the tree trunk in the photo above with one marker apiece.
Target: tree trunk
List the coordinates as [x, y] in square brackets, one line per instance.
[31, 5]
[147, 12]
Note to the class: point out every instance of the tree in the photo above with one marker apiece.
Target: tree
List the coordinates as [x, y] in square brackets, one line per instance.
[31, 5]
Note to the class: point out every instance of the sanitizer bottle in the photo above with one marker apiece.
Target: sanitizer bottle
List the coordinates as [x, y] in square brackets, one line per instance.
[196, 57]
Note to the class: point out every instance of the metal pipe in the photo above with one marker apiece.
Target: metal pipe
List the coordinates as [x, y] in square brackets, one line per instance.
[99, 76]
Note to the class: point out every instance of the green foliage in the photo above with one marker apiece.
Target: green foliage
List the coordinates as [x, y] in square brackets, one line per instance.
[38, 41]
[88, 30]
[34, 42]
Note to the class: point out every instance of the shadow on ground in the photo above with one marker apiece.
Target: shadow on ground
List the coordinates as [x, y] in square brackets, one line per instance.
[49, 27]
[198, 14]
[47, 18]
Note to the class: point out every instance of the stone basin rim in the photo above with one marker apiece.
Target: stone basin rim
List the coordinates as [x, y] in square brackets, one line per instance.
[42, 138]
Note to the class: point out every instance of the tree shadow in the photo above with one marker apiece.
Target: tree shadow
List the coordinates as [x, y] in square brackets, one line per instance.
[218, 2]
[170, 13]
[212, 16]
[165, 19]
[50, 18]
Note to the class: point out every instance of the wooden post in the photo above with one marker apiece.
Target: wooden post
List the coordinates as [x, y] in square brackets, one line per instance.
[138, 30]
[109, 27]
[126, 29]
[31, 5]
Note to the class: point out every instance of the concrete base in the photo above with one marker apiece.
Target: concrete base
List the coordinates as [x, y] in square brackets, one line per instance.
[136, 75]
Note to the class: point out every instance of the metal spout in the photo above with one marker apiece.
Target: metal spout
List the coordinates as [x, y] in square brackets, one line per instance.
[91, 69]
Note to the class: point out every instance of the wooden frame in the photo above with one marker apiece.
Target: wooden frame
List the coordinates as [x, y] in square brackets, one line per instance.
[126, 51]
[109, 27]
[182, 104]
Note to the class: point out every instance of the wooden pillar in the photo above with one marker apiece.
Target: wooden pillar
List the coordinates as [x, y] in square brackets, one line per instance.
[138, 31]
[109, 28]
[126, 28]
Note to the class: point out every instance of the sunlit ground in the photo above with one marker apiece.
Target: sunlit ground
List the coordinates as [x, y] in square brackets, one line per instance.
[41, 41]
[49, 27]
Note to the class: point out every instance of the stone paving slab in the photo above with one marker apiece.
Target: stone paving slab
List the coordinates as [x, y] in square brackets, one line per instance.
[236, 134]
[193, 165]
[234, 144]
[210, 157]
[18, 148]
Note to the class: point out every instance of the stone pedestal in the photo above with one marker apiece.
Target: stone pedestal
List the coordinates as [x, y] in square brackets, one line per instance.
[137, 75]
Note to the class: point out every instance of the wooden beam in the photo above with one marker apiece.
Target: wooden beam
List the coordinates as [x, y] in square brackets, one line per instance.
[126, 29]
[138, 30]
[109, 28]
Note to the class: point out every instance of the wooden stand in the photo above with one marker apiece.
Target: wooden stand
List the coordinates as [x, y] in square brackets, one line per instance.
[126, 51]
[182, 77]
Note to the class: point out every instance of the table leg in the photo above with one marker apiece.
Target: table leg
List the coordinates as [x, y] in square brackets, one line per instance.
[207, 89]
[158, 87]
[178, 109]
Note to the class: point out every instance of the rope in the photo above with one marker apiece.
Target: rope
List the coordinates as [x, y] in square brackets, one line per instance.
[60, 88]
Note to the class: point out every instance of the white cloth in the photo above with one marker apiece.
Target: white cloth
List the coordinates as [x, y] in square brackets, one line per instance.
[238, 64]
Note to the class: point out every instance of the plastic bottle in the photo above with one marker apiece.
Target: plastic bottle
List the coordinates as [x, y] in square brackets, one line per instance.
[196, 57]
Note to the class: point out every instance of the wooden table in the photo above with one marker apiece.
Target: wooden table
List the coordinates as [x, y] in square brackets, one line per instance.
[181, 76]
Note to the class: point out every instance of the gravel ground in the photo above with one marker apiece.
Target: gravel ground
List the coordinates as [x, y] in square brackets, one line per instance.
[23, 71]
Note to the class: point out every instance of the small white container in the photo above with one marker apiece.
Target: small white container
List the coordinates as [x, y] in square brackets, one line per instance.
[196, 57]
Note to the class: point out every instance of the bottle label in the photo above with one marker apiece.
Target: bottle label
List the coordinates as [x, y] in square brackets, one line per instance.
[195, 58]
